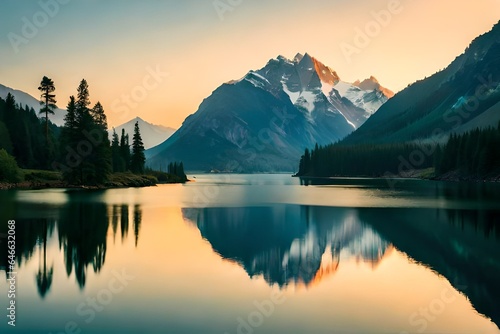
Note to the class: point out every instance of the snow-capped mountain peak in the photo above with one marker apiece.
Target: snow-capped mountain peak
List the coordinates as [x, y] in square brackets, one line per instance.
[312, 86]
[299, 101]
[373, 84]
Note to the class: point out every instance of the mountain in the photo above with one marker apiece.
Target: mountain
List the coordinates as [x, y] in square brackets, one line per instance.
[464, 96]
[151, 134]
[27, 100]
[297, 245]
[264, 121]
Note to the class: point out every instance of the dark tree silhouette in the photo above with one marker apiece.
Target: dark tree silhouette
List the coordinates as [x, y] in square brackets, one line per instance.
[138, 159]
[44, 277]
[48, 100]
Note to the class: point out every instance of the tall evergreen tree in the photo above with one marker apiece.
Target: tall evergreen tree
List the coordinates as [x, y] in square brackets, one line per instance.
[125, 150]
[101, 154]
[86, 138]
[138, 159]
[10, 111]
[48, 100]
[84, 124]
[116, 158]
[69, 139]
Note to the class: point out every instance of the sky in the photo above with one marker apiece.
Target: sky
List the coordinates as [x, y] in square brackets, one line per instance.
[158, 59]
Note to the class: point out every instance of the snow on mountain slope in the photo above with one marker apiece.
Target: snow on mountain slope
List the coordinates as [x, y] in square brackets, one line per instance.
[264, 121]
[369, 100]
[308, 83]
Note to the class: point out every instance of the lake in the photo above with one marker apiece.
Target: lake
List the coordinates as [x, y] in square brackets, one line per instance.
[256, 254]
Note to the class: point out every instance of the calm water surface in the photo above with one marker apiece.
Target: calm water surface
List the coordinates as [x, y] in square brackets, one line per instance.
[256, 254]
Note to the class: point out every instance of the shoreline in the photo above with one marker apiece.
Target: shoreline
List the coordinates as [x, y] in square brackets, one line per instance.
[24, 186]
[42, 185]
[423, 175]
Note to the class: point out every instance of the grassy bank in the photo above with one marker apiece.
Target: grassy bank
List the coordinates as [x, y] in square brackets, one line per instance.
[42, 179]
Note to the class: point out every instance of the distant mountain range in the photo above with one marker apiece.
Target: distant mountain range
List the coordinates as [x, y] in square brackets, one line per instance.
[264, 121]
[24, 99]
[460, 98]
[151, 134]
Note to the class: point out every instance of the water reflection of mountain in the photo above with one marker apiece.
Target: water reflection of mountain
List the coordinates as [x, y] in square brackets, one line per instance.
[288, 244]
[82, 231]
[461, 245]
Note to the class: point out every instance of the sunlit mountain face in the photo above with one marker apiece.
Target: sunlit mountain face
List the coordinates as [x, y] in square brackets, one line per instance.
[263, 121]
[306, 245]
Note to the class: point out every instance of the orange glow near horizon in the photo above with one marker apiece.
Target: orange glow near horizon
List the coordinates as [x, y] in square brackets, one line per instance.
[200, 51]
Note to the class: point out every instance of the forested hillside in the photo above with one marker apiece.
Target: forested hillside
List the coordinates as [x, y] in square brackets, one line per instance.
[472, 155]
[76, 154]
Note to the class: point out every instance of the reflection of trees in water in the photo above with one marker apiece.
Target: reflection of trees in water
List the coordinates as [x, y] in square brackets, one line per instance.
[83, 233]
[121, 213]
[83, 228]
[485, 222]
[124, 221]
[32, 234]
[469, 191]
[44, 276]
[457, 244]
[137, 222]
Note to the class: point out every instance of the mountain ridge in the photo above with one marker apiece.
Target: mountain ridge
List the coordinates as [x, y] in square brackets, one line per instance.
[24, 99]
[263, 121]
[439, 102]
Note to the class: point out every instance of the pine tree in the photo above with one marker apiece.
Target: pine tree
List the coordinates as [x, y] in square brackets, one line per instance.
[70, 125]
[10, 111]
[84, 124]
[125, 150]
[69, 140]
[85, 136]
[101, 154]
[48, 100]
[117, 161]
[307, 162]
[99, 116]
[138, 159]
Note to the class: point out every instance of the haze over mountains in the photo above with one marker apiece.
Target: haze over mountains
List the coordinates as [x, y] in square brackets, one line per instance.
[25, 99]
[262, 122]
[151, 134]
